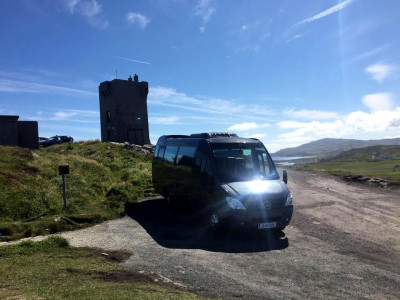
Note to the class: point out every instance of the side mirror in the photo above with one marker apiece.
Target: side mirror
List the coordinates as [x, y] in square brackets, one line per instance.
[284, 175]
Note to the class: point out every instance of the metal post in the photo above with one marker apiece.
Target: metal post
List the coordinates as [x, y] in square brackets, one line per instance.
[64, 192]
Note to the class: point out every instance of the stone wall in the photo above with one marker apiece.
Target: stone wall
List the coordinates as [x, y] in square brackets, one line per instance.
[28, 134]
[18, 133]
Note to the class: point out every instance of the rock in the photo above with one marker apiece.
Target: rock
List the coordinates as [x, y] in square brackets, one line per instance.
[145, 149]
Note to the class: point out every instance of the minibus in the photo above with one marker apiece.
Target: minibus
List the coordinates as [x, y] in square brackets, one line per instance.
[233, 179]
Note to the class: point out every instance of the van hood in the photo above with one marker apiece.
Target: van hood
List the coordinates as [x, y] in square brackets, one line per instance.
[250, 192]
[256, 187]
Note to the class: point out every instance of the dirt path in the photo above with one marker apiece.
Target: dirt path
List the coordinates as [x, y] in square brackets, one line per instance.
[343, 242]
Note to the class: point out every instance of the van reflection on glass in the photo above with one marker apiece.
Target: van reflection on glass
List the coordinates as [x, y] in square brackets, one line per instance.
[233, 179]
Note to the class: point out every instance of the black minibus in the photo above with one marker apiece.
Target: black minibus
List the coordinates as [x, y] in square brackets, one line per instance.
[234, 179]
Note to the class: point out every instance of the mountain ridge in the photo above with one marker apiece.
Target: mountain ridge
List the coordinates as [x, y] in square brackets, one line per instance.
[331, 147]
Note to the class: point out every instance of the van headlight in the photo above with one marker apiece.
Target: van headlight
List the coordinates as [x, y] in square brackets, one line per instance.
[289, 200]
[234, 203]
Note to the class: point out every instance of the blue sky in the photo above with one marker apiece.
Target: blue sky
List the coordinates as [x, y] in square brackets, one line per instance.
[285, 71]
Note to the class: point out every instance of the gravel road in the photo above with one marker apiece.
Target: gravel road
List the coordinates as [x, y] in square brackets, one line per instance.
[343, 242]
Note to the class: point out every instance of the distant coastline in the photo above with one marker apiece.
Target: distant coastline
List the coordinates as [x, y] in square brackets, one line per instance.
[286, 158]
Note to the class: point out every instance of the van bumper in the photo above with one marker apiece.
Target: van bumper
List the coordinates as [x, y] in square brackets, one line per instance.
[242, 218]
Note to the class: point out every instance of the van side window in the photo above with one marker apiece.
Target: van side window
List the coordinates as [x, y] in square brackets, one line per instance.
[161, 152]
[206, 171]
[156, 150]
[170, 153]
[197, 161]
[185, 156]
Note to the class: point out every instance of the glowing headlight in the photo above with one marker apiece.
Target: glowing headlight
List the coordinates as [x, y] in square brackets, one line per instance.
[289, 200]
[234, 203]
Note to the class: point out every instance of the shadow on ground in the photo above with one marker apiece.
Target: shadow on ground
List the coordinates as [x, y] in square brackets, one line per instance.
[180, 229]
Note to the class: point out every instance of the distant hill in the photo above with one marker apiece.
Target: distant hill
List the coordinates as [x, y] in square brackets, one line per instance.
[332, 147]
[371, 153]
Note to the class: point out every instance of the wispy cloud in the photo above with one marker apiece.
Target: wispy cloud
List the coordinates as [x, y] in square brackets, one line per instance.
[163, 96]
[137, 19]
[248, 126]
[133, 60]
[70, 115]
[89, 9]
[164, 120]
[369, 53]
[297, 36]
[13, 86]
[310, 114]
[246, 27]
[379, 101]
[380, 71]
[327, 12]
[204, 10]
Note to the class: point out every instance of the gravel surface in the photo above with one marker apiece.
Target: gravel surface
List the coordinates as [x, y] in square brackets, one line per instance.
[343, 242]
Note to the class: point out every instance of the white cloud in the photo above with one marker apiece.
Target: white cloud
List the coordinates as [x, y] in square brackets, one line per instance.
[64, 115]
[159, 94]
[71, 5]
[368, 54]
[310, 114]
[169, 97]
[377, 102]
[378, 121]
[70, 115]
[137, 19]
[244, 28]
[257, 135]
[89, 9]
[353, 125]
[248, 126]
[297, 36]
[164, 120]
[380, 71]
[13, 86]
[327, 12]
[204, 10]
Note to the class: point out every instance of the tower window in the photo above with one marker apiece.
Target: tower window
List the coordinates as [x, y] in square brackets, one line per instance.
[108, 116]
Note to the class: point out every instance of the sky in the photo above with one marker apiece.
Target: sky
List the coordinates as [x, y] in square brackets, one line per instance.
[284, 71]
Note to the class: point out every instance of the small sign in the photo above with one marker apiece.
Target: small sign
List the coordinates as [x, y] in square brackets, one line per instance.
[63, 170]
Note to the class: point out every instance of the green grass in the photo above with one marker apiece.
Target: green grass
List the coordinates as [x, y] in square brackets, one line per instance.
[103, 178]
[365, 161]
[51, 269]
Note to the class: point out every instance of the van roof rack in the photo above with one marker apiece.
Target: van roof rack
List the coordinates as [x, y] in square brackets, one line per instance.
[176, 136]
[207, 135]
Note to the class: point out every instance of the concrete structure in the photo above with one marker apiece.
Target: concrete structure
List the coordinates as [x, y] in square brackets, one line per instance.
[123, 111]
[18, 133]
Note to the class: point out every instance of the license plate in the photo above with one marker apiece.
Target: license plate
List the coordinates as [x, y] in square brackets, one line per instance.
[266, 225]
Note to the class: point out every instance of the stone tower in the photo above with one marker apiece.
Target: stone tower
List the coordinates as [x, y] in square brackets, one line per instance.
[123, 111]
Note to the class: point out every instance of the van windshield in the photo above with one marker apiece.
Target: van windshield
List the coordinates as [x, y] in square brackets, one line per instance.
[243, 162]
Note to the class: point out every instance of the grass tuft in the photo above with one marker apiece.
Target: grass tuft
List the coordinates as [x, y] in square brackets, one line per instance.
[51, 269]
[103, 178]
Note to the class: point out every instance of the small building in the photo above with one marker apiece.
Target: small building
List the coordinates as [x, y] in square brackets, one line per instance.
[123, 111]
[18, 133]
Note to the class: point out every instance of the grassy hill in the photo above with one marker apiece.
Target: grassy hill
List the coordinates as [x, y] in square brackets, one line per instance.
[375, 161]
[332, 147]
[103, 177]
